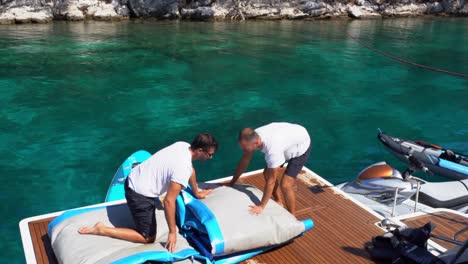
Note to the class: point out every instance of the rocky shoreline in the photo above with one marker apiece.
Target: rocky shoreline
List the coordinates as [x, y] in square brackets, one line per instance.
[43, 11]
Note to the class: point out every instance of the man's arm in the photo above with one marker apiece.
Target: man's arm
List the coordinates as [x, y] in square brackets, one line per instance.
[270, 175]
[170, 212]
[242, 166]
[193, 183]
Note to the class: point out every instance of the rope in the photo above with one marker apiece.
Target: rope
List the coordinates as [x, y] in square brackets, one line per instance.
[405, 61]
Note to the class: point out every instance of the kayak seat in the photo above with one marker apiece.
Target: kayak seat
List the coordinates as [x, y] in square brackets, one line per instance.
[449, 155]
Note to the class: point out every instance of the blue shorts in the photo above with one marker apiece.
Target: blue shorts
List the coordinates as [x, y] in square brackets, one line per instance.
[143, 212]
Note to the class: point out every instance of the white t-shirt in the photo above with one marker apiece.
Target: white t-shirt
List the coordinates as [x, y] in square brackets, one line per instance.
[152, 177]
[282, 142]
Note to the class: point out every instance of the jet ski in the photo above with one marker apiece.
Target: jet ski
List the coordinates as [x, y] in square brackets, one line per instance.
[438, 160]
[390, 193]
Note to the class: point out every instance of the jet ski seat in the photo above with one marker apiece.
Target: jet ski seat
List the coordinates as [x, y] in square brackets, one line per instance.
[451, 194]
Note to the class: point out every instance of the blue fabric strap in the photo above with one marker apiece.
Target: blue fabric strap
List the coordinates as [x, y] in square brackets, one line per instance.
[160, 256]
[207, 219]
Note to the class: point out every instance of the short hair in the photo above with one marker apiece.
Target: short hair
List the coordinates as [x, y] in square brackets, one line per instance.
[204, 141]
[248, 134]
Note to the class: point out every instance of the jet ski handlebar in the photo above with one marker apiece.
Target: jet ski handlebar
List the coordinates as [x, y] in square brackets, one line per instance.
[414, 165]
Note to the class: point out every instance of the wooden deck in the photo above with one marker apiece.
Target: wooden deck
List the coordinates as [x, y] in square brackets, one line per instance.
[41, 241]
[341, 229]
[447, 224]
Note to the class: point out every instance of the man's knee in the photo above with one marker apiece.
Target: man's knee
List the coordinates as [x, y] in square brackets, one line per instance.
[287, 183]
[149, 240]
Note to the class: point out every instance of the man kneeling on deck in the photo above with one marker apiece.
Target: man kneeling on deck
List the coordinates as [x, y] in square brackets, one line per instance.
[280, 142]
[169, 169]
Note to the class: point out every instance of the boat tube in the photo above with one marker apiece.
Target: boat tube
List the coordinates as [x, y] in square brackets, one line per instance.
[116, 188]
[436, 159]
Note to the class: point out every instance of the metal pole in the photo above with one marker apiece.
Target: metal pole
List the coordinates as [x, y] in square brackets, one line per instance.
[394, 201]
[418, 186]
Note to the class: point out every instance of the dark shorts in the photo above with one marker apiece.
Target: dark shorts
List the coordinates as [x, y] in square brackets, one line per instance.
[143, 212]
[295, 164]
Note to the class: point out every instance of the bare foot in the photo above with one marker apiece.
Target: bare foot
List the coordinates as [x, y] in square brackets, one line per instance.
[91, 230]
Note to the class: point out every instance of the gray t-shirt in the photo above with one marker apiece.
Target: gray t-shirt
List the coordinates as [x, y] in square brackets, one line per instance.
[171, 164]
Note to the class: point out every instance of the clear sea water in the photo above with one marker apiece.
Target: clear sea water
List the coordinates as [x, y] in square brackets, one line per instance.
[78, 98]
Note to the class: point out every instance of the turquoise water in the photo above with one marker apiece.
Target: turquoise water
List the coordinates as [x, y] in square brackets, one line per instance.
[78, 98]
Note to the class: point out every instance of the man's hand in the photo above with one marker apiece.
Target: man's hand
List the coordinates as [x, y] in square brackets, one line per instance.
[203, 194]
[255, 209]
[171, 242]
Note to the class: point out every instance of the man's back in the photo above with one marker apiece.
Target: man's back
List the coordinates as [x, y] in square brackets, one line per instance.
[152, 177]
[283, 141]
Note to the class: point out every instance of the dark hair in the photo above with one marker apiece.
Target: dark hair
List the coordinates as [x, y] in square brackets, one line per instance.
[247, 134]
[204, 141]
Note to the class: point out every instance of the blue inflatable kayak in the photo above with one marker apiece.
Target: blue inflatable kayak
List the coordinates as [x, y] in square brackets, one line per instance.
[116, 188]
[439, 160]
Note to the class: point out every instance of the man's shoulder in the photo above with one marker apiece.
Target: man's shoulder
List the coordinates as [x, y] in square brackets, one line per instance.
[276, 125]
[181, 144]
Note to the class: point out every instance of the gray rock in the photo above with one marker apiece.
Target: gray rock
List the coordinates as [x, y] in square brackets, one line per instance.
[453, 6]
[405, 10]
[74, 14]
[199, 13]
[103, 12]
[312, 5]
[434, 8]
[122, 10]
[317, 12]
[361, 3]
[26, 15]
[464, 10]
[260, 11]
[354, 12]
[192, 4]
[362, 12]
[292, 13]
[154, 8]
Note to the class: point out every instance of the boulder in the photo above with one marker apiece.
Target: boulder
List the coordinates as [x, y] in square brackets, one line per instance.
[154, 8]
[453, 6]
[103, 12]
[362, 12]
[26, 14]
[292, 13]
[255, 11]
[199, 13]
[434, 8]
[312, 5]
[7, 18]
[74, 14]
[354, 12]
[464, 10]
[219, 12]
[405, 10]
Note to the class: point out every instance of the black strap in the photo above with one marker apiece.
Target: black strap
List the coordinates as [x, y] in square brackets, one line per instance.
[464, 184]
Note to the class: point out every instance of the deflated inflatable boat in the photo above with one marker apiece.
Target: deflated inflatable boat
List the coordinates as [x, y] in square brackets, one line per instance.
[218, 229]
